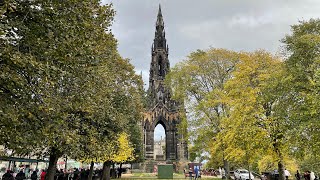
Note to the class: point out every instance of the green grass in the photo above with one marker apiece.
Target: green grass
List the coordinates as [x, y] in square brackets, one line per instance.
[146, 176]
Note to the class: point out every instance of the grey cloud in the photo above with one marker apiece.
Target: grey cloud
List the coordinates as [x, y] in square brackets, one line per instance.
[233, 24]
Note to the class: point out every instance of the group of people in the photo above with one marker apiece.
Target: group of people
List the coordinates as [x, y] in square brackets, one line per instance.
[307, 175]
[72, 174]
[21, 175]
[193, 173]
[59, 175]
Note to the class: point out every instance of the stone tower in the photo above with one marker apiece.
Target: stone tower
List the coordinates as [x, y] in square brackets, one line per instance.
[161, 109]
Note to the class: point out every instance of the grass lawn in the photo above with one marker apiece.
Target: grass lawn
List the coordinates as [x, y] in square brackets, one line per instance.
[145, 176]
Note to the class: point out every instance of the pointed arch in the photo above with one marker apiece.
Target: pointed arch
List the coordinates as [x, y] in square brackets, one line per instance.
[160, 65]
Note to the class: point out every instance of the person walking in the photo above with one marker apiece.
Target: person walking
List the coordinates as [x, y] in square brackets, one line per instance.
[190, 173]
[196, 171]
[297, 175]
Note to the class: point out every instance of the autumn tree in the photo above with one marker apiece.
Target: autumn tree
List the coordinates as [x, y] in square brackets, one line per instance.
[199, 82]
[253, 128]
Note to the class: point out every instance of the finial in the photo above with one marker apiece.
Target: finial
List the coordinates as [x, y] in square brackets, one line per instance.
[159, 18]
[159, 12]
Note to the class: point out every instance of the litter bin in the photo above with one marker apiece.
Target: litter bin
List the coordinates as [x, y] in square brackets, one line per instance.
[165, 171]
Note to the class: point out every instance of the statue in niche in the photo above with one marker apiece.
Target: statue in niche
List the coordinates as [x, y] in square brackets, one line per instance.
[160, 95]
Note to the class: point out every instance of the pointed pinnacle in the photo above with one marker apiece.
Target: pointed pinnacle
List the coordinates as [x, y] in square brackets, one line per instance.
[159, 18]
[159, 12]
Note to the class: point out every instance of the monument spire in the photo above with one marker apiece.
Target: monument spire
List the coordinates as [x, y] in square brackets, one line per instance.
[161, 109]
[160, 63]
[160, 35]
[159, 18]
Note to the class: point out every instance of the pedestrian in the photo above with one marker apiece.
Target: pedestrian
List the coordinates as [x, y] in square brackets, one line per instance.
[82, 174]
[306, 175]
[27, 171]
[119, 172]
[312, 176]
[196, 171]
[297, 175]
[60, 175]
[76, 175]
[86, 174]
[21, 175]
[190, 173]
[43, 174]
[7, 176]
[223, 173]
[34, 175]
[286, 174]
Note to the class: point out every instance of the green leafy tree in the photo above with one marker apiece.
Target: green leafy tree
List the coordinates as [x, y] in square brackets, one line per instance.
[302, 65]
[199, 82]
[60, 76]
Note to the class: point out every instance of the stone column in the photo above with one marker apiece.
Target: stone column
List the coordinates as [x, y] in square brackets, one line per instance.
[149, 144]
[170, 149]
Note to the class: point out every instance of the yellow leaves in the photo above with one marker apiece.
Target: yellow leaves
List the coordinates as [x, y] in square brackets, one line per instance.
[269, 163]
[244, 91]
[124, 151]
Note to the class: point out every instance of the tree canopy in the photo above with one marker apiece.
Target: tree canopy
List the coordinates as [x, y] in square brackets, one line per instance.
[259, 110]
[64, 89]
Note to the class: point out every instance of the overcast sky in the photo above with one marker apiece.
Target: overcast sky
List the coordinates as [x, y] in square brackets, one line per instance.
[199, 24]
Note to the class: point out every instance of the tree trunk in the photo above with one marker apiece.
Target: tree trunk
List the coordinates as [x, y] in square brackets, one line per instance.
[120, 169]
[54, 156]
[226, 168]
[280, 160]
[281, 170]
[106, 170]
[66, 164]
[249, 169]
[91, 171]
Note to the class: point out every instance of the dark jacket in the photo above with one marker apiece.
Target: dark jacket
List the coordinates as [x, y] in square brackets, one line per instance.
[20, 176]
[34, 175]
[7, 176]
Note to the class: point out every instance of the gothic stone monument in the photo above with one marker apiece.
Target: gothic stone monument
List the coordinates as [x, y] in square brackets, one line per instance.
[161, 108]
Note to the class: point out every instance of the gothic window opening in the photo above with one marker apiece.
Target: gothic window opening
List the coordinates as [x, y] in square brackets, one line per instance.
[160, 66]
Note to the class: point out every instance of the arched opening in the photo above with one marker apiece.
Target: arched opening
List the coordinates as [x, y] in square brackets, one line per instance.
[159, 150]
[160, 67]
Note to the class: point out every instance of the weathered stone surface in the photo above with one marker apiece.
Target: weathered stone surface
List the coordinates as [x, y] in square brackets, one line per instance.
[161, 108]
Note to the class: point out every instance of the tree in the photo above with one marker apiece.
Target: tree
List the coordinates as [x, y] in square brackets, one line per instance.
[199, 82]
[125, 149]
[254, 105]
[60, 75]
[302, 65]
[122, 108]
